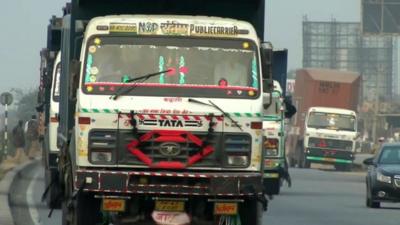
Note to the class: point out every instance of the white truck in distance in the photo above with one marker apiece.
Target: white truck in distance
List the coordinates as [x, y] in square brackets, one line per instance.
[330, 137]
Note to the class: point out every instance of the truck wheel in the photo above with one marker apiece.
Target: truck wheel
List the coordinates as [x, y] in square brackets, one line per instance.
[84, 210]
[300, 155]
[78, 208]
[306, 163]
[292, 162]
[272, 187]
[251, 212]
[53, 199]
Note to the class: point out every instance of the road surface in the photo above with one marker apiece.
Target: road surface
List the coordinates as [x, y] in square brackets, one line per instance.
[317, 197]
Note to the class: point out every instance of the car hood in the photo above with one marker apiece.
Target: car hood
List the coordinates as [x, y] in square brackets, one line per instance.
[392, 169]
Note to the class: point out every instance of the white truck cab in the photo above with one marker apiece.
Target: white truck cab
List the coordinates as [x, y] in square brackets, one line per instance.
[274, 142]
[330, 136]
[170, 98]
[54, 104]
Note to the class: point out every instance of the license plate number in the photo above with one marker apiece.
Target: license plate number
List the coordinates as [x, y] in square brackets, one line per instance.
[113, 205]
[330, 159]
[225, 208]
[170, 206]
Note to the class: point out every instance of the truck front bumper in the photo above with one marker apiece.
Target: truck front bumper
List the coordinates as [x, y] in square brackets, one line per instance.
[329, 160]
[329, 156]
[170, 183]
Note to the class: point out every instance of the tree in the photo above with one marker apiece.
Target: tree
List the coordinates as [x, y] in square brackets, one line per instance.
[26, 106]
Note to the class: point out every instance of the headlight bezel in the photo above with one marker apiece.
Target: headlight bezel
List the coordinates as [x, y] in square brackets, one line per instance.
[237, 149]
[383, 178]
[108, 154]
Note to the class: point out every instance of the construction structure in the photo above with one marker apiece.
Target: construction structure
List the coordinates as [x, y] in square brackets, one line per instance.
[341, 46]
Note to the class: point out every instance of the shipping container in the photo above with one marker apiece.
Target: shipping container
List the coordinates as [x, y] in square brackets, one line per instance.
[324, 88]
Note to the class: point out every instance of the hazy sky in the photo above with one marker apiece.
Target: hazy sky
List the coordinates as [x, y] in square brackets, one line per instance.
[23, 32]
[285, 17]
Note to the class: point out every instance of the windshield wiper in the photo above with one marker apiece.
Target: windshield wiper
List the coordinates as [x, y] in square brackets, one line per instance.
[212, 104]
[142, 79]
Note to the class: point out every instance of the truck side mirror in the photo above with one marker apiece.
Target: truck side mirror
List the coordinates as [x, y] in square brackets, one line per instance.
[266, 65]
[267, 100]
[290, 108]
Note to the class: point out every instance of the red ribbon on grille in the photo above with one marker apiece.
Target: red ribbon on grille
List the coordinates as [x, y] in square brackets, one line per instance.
[170, 136]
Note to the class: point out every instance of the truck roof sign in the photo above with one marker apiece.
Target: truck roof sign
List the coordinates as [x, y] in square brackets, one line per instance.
[174, 28]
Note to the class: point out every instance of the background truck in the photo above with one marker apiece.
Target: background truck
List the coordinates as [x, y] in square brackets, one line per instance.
[330, 143]
[274, 128]
[274, 143]
[157, 133]
[48, 107]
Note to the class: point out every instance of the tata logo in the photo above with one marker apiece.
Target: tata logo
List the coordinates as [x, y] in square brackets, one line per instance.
[170, 149]
[170, 123]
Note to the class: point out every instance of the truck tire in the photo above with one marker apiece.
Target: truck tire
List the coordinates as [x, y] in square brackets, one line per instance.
[272, 187]
[84, 210]
[306, 163]
[53, 200]
[300, 154]
[251, 212]
[292, 162]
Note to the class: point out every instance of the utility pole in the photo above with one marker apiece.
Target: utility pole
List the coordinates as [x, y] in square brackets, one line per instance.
[380, 71]
[6, 99]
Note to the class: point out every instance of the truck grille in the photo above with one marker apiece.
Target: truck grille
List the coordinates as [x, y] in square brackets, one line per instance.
[169, 151]
[330, 144]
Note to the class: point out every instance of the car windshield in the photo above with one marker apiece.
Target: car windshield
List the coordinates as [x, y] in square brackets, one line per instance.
[332, 121]
[196, 67]
[390, 155]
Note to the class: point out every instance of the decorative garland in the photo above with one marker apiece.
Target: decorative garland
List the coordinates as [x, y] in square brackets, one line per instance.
[254, 72]
[205, 148]
[161, 68]
[88, 68]
[182, 70]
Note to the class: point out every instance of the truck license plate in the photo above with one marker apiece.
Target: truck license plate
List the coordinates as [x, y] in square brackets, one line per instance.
[113, 205]
[330, 159]
[222, 208]
[170, 206]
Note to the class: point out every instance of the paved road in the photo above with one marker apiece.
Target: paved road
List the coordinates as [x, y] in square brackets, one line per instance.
[326, 197]
[318, 197]
[25, 199]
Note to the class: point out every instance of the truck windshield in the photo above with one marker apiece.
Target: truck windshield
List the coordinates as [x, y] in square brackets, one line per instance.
[332, 121]
[197, 67]
[56, 83]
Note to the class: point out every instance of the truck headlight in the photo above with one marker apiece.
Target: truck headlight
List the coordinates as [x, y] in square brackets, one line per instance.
[236, 160]
[237, 150]
[271, 163]
[97, 157]
[382, 178]
[271, 146]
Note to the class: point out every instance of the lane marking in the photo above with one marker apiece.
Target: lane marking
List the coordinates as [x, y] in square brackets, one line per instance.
[31, 203]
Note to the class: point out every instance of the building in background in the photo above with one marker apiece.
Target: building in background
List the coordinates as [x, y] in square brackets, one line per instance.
[341, 45]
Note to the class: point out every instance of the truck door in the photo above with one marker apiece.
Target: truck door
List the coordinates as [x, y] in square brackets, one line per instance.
[279, 68]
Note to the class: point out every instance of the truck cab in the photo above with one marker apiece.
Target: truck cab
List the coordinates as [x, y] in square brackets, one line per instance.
[169, 112]
[274, 142]
[330, 137]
